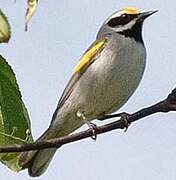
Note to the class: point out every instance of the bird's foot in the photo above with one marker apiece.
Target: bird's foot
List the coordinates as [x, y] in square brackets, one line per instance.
[124, 118]
[92, 126]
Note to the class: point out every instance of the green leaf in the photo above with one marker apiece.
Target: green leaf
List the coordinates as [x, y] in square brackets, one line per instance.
[14, 119]
[5, 32]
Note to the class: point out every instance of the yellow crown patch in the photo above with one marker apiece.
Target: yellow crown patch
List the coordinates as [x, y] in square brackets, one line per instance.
[130, 10]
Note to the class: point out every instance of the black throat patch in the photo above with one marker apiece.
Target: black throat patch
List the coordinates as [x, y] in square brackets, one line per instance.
[135, 32]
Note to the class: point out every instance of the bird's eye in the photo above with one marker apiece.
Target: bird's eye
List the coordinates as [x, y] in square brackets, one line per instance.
[124, 16]
[121, 20]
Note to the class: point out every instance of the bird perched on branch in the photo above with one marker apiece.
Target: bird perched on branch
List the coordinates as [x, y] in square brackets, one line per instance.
[103, 80]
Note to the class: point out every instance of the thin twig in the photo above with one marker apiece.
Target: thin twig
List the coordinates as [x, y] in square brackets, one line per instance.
[169, 104]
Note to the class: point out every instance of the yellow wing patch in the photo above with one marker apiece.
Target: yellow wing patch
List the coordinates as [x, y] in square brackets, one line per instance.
[89, 54]
[130, 10]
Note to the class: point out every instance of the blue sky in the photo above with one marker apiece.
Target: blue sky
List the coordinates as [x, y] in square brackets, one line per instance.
[43, 60]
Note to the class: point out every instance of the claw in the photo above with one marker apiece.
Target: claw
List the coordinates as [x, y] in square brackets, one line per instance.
[92, 126]
[124, 118]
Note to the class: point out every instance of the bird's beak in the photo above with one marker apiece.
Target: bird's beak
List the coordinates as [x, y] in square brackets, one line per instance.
[144, 15]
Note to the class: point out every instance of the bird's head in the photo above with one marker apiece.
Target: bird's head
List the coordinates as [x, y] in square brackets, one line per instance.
[125, 19]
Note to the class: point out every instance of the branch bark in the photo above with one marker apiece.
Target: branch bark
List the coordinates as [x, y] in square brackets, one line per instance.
[164, 106]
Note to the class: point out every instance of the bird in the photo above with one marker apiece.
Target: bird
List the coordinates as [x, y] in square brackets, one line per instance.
[105, 77]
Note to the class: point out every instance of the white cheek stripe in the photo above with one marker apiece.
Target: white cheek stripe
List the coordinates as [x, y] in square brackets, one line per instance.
[126, 26]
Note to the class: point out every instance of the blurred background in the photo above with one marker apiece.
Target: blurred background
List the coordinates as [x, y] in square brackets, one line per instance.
[43, 59]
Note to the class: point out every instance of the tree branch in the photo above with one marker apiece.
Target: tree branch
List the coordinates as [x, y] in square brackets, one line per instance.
[166, 105]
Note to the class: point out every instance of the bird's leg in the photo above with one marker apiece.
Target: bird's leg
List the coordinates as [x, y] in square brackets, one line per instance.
[123, 116]
[92, 126]
[109, 116]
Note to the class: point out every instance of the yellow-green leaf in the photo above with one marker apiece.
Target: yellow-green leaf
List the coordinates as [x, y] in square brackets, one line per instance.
[32, 5]
[4, 28]
[14, 119]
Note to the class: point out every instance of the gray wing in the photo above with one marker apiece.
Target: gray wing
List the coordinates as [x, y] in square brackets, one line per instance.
[76, 76]
[67, 91]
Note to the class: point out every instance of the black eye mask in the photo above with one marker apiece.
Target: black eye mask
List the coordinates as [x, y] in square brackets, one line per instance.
[121, 20]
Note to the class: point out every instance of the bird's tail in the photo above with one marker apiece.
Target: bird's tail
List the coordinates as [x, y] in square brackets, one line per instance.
[38, 161]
